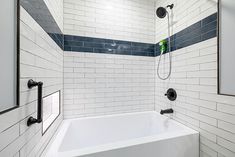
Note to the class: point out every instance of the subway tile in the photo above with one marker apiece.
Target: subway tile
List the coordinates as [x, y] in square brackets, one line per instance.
[42, 60]
[81, 49]
[207, 150]
[209, 27]
[73, 43]
[109, 81]
[208, 81]
[226, 144]
[229, 109]
[218, 98]
[19, 142]
[210, 136]
[209, 19]
[203, 118]
[201, 103]
[226, 126]
[218, 115]
[217, 148]
[93, 45]
[8, 136]
[219, 132]
[209, 35]
[26, 149]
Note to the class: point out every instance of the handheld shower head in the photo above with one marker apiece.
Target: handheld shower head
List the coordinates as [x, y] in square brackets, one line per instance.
[162, 12]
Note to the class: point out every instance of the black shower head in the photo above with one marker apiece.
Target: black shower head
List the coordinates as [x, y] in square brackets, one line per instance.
[161, 11]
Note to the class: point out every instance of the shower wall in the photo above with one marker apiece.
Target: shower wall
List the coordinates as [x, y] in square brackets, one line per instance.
[105, 74]
[98, 84]
[114, 19]
[194, 76]
[41, 59]
[56, 8]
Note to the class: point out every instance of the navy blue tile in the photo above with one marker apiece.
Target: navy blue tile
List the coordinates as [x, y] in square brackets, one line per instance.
[67, 48]
[81, 49]
[79, 38]
[68, 37]
[194, 27]
[93, 45]
[96, 40]
[111, 45]
[209, 19]
[188, 36]
[108, 46]
[136, 53]
[109, 41]
[143, 49]
[209, 35]
[137, 44]
[189, 42]
[107, 51]
[122, 42]
[181, 33]
[124, 47]
[209, 27]
[157, 54]
[151, 54]
[73, 43]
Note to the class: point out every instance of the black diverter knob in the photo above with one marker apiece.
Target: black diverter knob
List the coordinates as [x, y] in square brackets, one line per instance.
[171, 94]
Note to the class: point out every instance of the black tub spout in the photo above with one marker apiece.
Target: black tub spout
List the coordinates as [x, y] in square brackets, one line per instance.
[167, 111]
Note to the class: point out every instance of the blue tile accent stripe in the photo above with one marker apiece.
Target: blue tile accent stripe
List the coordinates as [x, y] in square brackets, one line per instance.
[108, 46]
[198, 32]
[41, 14]
[58, 38]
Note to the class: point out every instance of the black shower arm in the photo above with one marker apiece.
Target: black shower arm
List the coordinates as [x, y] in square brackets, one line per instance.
[170, 6]
[32, 120]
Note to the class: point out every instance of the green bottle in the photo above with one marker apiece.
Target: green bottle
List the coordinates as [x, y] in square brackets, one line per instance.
[163, 46]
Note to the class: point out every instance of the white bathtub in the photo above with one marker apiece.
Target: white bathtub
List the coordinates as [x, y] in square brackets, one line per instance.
[145, 134]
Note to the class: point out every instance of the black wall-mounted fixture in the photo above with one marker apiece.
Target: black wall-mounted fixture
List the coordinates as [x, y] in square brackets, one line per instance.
[32, 120]
[167, 111]
[162, 12]
[171, 94]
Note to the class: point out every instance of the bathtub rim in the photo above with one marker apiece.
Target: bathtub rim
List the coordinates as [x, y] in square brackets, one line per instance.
[55, 143]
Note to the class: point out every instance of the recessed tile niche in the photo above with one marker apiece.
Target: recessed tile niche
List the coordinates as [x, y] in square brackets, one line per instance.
[51, 109]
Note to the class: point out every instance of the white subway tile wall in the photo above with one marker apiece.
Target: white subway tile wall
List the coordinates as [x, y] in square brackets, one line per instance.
[194, 76]
[131, 20]
[42, 60]
[198, 105]
[56, 8]
[99, 84]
